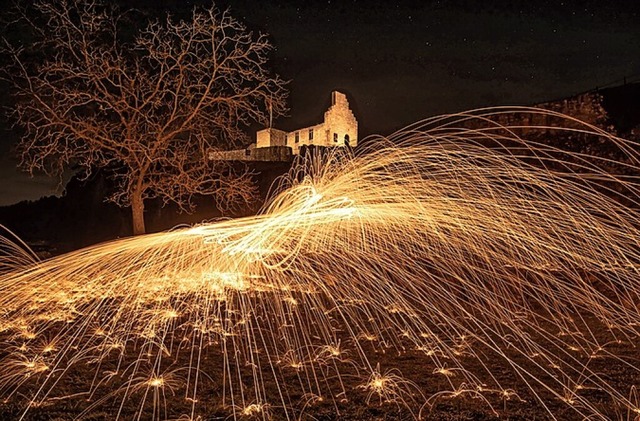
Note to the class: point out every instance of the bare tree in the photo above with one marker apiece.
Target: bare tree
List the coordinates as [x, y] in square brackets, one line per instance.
[149, 106]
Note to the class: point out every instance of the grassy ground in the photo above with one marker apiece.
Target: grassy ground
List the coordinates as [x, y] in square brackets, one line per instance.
[414, 388]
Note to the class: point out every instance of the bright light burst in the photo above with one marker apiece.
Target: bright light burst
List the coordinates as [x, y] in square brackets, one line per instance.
[455, 240]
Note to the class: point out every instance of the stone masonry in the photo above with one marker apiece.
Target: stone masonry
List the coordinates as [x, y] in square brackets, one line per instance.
[338, 129]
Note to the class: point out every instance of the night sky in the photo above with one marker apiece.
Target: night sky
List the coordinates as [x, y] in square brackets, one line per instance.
[400, 62]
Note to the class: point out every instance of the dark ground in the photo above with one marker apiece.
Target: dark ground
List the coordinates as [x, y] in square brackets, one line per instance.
[428, 396]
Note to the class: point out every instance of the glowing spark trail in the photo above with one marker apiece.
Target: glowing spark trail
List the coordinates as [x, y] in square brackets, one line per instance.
[455, 239]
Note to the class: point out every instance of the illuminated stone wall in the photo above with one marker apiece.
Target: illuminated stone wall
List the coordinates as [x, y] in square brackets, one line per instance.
[270, 137]
[312, 135]
[270, 153]
[339, 128]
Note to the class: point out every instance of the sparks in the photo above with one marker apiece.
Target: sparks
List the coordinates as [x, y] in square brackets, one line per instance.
[453, 235]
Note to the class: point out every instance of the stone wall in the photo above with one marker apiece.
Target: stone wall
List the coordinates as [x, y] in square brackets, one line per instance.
[339, 128]
[271, 154]
[301, 137]
[270, 137]
[340, 122]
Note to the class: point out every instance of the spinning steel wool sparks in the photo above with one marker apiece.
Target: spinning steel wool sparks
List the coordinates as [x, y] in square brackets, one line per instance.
[455, 240]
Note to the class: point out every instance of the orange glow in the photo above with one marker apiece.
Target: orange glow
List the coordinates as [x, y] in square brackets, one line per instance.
[430, 242]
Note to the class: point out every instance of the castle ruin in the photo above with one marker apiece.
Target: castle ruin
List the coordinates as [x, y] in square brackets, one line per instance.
[338, 129]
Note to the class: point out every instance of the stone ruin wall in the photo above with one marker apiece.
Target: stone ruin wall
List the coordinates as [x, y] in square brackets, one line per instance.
[338, 119]
[270, 137]
[271, 153]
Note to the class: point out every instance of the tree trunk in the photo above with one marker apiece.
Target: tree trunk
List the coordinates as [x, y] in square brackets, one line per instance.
[137, 211]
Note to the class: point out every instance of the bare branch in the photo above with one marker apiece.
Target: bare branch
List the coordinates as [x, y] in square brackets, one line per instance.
[150, 108]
